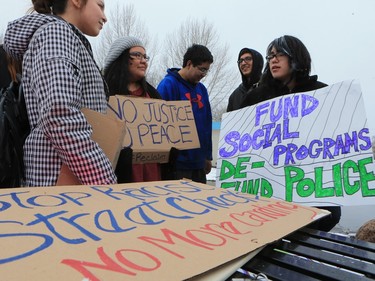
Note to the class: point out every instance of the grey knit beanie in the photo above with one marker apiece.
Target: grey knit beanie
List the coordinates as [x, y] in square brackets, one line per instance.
[120, 45]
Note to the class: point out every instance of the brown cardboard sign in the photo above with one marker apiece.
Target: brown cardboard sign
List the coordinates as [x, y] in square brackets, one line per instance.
[168, 230]
[154, 126]
[108, 132]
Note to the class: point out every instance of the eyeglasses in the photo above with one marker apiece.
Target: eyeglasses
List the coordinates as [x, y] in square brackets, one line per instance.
[203, 70]
[277, 56]
[139, 56]
[246, 60]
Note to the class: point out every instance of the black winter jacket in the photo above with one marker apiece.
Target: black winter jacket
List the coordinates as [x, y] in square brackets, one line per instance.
[266, 92]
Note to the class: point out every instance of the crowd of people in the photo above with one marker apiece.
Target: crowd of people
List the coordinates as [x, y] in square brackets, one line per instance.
[60, 77]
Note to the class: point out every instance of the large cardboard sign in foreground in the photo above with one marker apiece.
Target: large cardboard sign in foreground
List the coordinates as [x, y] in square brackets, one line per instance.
[153, 126]
[312, 148]
[170, 230]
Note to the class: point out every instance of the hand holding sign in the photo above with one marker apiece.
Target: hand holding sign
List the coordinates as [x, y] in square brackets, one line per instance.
[154, 126]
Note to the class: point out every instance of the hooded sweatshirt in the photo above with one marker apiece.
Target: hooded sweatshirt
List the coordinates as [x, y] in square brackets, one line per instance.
[59, 78]
[174, 87]
[248, 82]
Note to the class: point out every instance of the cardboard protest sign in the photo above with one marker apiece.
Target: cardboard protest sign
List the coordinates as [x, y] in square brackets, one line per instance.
[108, 132]
[169, 230]
[154, 126]
[312, 148]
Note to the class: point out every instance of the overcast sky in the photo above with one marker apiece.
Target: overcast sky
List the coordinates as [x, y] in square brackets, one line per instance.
[340, 34]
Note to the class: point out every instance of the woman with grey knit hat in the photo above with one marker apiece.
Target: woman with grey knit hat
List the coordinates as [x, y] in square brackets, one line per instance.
[250, 63]
[125, 73]
[125, 68]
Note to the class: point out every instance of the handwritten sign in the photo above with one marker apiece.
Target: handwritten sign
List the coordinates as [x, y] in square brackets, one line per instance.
[312, 148]
[170, 230]
[154, 126]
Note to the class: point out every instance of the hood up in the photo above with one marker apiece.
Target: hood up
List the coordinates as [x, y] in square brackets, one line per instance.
[256, 71]
[19, 33]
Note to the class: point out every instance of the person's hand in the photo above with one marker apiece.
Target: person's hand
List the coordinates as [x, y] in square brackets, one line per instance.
[208, 166]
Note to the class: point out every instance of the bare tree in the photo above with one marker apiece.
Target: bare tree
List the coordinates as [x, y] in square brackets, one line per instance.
[221, 79]
[122, 21]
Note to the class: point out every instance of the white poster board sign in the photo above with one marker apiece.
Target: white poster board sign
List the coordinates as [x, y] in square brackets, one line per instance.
[312, 148]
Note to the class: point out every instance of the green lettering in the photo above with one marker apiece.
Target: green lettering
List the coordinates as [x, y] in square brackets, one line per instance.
[240, 168]
[337, 177]
[228, 184]
[228, 170]
[238, 183]
[226, 165]
[292, 175]
[266, 189]
[305, 187]
[350, 189]
[253, 187]
[366, 177]
[244, 186]
[321, 192]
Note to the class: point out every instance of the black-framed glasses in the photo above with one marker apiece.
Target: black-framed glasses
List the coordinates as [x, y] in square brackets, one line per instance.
[203, 70]
[139, 56]
[246, 59]
[277, 56]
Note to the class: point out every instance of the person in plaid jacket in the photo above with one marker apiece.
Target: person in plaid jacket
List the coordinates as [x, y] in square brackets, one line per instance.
[60, 77]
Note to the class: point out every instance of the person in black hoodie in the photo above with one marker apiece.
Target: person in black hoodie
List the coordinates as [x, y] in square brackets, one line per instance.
[288, 71]
[250, 63]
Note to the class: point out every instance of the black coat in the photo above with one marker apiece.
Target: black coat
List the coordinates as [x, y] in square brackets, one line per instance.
[276, 89]
[5, 78]
[237, 98]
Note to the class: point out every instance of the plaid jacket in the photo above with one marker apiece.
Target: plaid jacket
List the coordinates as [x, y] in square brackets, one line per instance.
[60, 77]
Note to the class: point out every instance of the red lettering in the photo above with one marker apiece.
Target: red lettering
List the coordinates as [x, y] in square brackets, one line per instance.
[269, 212]
[190, 234]
[225, 226]
[127, 262]
[255, 220]
[169, 234]
[109, 265]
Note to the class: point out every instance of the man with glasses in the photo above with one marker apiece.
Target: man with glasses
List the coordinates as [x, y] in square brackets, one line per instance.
[250, 64]
[184, 84]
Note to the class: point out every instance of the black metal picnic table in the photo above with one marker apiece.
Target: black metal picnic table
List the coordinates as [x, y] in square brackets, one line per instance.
[307, 255]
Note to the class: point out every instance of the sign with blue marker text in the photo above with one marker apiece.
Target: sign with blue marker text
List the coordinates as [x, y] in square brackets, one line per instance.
[312, 148]
[167, 230]
[153, 126]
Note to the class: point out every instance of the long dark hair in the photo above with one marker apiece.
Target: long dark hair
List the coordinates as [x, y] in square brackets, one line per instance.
[56, 7]
[117, 76]
[299, 58]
